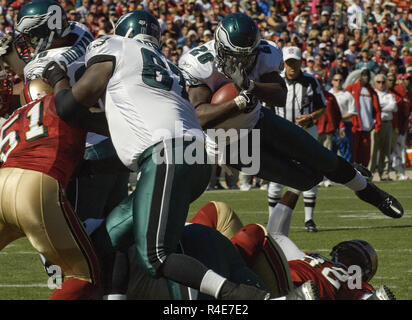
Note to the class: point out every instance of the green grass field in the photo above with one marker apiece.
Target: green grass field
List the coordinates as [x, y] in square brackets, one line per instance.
[339, 216]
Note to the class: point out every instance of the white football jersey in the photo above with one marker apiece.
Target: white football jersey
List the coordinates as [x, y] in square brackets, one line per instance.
[200, 68]
[146, 100]
[73, 57]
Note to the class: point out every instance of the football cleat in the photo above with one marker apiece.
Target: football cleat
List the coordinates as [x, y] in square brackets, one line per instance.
[311, 226]
[383, 293]
[307, 291]
[382, 200]
[234, 291]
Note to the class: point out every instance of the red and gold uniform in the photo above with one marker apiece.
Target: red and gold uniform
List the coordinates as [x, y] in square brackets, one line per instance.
[331, 279]
[39, 152]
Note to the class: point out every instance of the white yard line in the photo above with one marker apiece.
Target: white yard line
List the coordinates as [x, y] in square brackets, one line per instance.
[29, 285]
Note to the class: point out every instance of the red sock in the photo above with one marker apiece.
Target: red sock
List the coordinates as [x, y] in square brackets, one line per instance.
[249, 241]
[74, 289]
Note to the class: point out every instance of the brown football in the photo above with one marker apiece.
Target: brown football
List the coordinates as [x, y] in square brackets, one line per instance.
[224, 94]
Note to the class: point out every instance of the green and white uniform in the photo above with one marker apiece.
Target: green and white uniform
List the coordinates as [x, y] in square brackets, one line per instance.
[151, 122]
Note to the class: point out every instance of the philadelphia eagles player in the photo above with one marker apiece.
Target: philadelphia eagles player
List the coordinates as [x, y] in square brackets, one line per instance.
[288, 154]
[151, 123]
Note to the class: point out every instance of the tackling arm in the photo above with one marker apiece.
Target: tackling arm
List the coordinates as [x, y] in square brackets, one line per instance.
[85, 92]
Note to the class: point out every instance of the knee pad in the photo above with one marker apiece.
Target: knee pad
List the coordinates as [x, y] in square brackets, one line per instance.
[249, 241]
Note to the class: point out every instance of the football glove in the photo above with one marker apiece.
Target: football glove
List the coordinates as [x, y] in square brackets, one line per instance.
[54, 72]
[240, 78]
[246, 101]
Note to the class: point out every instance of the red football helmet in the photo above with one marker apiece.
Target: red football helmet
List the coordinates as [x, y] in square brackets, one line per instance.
[6, 93]
[357, 252]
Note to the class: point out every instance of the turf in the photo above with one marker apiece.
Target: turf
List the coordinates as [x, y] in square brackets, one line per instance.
[339, 216]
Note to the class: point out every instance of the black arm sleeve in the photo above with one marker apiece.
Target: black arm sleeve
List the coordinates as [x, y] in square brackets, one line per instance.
[66, 105]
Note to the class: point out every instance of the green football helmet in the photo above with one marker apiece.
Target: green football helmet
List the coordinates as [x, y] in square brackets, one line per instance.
[237, 38]
[139, 24]
[39, 23]
[357, 252]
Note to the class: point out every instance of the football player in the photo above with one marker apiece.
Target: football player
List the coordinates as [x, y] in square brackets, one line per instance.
[39, 152]
[288, 154]
[151, 124]
[331, 276]
[44, 29]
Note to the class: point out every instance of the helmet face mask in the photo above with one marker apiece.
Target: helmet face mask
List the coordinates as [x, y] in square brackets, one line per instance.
[357, 252]
[139, 24]
[236, 43]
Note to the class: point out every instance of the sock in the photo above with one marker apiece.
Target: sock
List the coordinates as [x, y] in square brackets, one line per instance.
[74, 289]
[279, 221]
[212, 284]
[357, 183]
[309, 209]
[184, 269]
[114, 297]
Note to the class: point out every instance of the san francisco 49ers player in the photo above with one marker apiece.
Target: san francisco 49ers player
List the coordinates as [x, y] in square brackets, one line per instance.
[330, 276]
[39, 153]
[335, 277]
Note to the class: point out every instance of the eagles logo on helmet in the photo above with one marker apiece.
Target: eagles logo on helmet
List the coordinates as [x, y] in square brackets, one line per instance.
[39, 23]
[237, 38]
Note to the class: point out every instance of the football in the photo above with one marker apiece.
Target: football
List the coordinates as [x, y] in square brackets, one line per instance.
[224, 94]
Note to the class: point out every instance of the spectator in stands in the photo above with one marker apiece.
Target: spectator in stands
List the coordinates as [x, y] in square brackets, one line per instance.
[381, 140]
[367, 62]
[400, 125]
[368, 117]
[339, 68]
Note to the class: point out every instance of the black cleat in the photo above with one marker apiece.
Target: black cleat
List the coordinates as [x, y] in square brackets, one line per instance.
[311, 226]
[234, 291]
[382, 200]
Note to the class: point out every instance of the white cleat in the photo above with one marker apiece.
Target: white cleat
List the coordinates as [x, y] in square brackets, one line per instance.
[307, 291]
[383, 293]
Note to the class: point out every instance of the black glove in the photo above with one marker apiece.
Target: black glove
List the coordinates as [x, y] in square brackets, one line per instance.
[240, 78]
[54, 72]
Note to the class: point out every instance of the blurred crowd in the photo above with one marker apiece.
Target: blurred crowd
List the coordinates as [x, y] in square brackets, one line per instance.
[335, 37]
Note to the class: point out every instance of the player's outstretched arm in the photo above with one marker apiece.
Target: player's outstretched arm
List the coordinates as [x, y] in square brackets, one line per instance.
[85, 92]
[210, 114]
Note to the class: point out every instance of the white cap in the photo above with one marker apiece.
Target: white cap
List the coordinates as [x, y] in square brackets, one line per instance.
[291, 53]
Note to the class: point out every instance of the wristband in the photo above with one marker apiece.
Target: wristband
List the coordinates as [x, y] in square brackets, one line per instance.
[240, 102]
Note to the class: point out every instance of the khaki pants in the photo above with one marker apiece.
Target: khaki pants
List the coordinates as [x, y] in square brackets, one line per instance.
[32, 204]
[381, 149]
